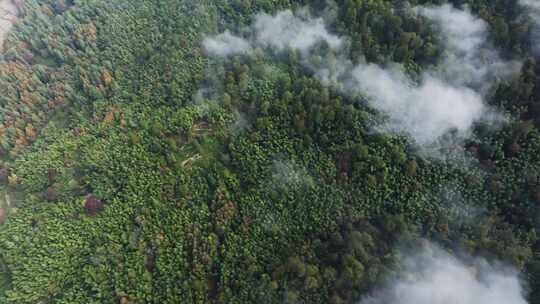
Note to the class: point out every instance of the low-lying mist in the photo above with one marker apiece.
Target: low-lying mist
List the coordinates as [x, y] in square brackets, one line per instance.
[470, 60]
[533, 9]
[430, 275]
[447, 98]
[282, 31]
[450, 97]
[8, 15]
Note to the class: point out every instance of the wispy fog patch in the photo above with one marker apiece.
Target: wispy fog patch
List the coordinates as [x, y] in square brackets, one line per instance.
[8, 15]
[281, 31]
[425, 111]
[531, 3]
[447, 99]
[240, 124]
[289, 173]
[457, 208]
[430, 275]
[469, 59]
[533, 9]
[285, 30]
[226, 44]
[202, 98]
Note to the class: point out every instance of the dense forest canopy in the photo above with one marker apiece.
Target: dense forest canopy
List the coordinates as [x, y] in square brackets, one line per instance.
[270, 151]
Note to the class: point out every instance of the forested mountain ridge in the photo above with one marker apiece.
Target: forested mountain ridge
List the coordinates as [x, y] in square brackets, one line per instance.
[139, 167]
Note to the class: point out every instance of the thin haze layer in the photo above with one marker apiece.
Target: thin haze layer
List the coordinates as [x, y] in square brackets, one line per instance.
[8, 14]
[533, 9]
[447, 98]
[469, 59]
[431, 276]
[285, 30]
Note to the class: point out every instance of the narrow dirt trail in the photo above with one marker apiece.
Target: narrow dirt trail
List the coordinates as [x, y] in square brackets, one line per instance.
[8, 15]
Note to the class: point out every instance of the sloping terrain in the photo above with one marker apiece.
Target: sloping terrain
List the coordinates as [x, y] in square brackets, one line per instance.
[142, 162]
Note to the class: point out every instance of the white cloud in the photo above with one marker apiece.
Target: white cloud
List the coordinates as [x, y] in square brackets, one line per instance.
[425, 111]
[469, 59]
[533, 9]
[447, 98]
[8, 14]
[532, 3]
[285, 30]
[226, 44]
[282, 31]
[432, 276]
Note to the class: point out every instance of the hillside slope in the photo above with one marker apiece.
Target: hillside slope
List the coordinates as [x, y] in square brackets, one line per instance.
[139, 167]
